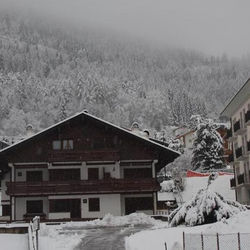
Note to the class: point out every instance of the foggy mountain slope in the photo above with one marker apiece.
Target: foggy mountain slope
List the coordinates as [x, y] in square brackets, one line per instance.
[48, 72]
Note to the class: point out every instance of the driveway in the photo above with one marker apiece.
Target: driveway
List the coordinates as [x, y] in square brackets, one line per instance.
[107, 238]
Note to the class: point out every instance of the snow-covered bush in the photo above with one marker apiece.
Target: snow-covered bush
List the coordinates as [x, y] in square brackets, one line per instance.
[205, 207]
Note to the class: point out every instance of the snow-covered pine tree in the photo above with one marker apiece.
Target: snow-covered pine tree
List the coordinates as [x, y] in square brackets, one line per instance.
[207, 147]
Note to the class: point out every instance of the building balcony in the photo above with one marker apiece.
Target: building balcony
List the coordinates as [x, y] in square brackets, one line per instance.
[82, 187]
[229, 136]
[238, 154]
[232, 183]
[236, 126]
[247, 117]
[238, 129]
[240, 179]
[65, 156]
[231, 158]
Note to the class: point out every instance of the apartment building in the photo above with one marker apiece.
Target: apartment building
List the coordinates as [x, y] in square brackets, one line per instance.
[238, 110]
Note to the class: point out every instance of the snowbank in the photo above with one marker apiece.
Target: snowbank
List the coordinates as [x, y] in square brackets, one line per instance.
[193, 184]
[112, 221]
[155, 239]
[14, 241]
[54, 238]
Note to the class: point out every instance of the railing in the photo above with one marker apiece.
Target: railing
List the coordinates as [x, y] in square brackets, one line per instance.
[240, 179]
[238, 152]
[232, 183]
[107, 155]
[236, 126]
[215, 241]
[82, 187]
[247, 116]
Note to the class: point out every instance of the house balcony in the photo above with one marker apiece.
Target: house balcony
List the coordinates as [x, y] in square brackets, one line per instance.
[65, 156]
[82, 187]
[247, 117]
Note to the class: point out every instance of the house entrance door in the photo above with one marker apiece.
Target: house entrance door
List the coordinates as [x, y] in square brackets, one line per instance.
[75, 208]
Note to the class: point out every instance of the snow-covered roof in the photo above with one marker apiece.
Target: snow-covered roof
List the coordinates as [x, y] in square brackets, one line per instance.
[237, 100]
[193, 184]
[85, 113]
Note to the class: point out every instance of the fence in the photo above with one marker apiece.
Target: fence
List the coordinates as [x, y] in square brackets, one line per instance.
[234, 241]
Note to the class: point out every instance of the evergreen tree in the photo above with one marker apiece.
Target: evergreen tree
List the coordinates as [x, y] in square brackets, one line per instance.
[208, 146]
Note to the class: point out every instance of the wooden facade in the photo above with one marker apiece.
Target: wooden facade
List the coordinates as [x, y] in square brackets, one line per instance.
[82, 155]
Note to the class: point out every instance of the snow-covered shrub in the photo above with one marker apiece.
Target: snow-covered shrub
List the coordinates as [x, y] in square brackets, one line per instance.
[205, 207]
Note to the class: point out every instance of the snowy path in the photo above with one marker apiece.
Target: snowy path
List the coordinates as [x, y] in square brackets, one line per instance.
[110, 238]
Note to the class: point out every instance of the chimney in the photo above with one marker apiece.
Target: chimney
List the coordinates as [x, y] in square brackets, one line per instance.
[146, 133]
[135, 127]
[29, 130]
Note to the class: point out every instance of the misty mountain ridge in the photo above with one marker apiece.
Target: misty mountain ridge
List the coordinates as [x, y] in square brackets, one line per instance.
[48, 73]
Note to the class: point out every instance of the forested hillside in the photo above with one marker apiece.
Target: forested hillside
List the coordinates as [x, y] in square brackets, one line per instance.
[50, 72]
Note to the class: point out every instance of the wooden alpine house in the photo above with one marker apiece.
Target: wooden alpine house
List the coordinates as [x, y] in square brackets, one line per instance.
[81, 168]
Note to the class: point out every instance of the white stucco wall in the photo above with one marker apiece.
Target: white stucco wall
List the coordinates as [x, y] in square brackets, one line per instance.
[109, 203]
[24, 170]
[21, 208]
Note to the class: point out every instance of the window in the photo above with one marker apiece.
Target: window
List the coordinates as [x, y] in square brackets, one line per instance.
[57, 206]
[94, 204]
[64, 174]
[34, 176]
[64, 144]
[93, 173]
[56, 145]
[34, 207]
[5, 210]
[68, 144]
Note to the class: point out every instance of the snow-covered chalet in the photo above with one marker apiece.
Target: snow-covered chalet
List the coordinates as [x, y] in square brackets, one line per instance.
[81, 168]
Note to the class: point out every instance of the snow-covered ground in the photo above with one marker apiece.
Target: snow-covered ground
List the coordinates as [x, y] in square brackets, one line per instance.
[193, 184]
[66, 236]
[13, 241]
[155, 239]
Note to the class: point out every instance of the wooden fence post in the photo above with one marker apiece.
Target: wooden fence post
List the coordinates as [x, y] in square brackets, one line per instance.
[183, 237]
[239, 241]
[218, 242]
[202, 242]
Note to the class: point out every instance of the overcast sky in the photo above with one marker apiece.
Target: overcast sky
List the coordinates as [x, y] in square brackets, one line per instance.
[211, 26]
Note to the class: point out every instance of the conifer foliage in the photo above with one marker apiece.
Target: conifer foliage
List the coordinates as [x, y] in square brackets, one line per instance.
[208, 146]
[205, 207]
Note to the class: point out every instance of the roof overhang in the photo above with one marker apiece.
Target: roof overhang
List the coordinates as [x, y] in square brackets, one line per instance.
[238, 100]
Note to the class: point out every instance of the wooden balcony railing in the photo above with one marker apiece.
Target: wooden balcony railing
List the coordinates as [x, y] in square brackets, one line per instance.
[238, 152]
[236, 126]
[60, 156]
[82, 187]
